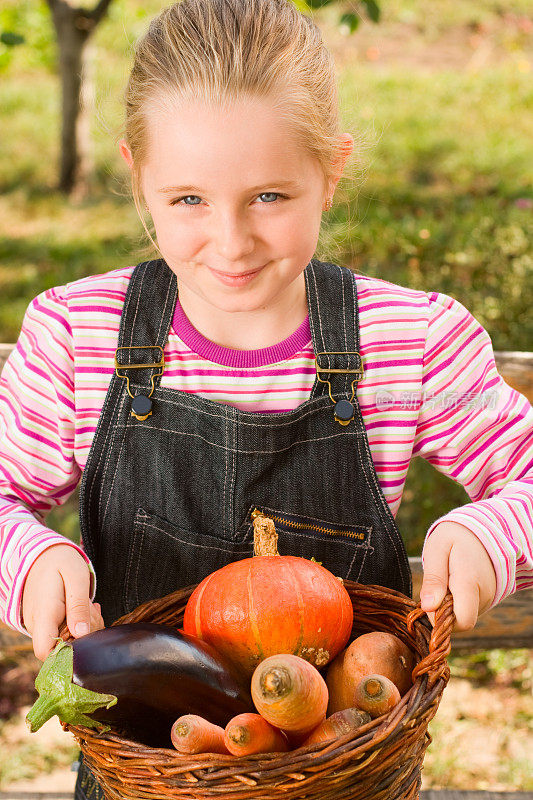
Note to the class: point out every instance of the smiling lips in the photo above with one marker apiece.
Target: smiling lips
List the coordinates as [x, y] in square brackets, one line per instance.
[231, 279]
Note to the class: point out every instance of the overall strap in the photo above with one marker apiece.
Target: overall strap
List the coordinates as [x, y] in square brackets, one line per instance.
[334, 322]
[145, 323]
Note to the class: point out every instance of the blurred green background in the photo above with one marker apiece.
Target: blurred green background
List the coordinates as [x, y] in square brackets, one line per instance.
[440, 96]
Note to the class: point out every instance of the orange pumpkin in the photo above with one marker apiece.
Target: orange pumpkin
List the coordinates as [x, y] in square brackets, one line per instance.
[270, 604]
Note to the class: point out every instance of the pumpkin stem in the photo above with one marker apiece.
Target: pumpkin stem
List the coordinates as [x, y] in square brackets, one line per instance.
[265, 536]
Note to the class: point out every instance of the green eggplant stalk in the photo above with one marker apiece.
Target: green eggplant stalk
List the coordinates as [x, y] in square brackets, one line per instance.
[137, 679]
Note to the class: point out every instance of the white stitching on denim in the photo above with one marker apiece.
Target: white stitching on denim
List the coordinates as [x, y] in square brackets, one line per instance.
[314, 338]
[264, 420]
[190, 541]
[346, 377]
[231, 504]
[311, 315]
[138, 520]
[322, 340]
[129, 295]
[110, 435]
[164, 314]
[140, 549]
[139, 293]
[379, 497]
[355, 434]
[110, 451]
[368, 550]
[226, 448]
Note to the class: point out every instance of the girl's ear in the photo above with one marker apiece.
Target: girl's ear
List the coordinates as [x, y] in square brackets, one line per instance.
[125, 152]
[345, 150]
[346, 146]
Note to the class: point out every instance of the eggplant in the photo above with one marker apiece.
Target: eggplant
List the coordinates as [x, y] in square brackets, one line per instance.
[137, 678]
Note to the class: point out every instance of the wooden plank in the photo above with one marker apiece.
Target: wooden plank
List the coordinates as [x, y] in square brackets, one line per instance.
[515, 367]
[5, 350]
[508, 625]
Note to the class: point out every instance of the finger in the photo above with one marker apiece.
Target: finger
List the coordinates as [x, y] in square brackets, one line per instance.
[465, 594]
[431, 617]
[48, 615]
[436, 571]
[97, 621]
[76, 579]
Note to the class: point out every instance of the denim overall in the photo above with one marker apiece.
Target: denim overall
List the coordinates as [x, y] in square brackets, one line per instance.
[168, 499]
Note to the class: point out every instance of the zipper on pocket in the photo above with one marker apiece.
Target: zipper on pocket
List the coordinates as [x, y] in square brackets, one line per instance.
[289, 523]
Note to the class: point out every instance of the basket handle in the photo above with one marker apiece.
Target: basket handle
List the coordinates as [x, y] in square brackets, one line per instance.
[434, 664]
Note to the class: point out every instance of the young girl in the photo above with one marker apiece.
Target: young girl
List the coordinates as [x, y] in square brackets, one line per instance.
[270, 379]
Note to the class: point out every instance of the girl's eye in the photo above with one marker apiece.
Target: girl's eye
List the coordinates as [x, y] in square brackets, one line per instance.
[188, 197]
[269, 194]
[181, 200]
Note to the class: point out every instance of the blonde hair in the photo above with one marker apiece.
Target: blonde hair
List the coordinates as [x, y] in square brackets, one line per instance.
[218, 51]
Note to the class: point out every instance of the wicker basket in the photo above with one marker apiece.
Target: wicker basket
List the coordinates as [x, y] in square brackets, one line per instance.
[382, 760]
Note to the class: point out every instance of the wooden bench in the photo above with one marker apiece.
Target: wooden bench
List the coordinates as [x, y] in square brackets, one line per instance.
[509, 625]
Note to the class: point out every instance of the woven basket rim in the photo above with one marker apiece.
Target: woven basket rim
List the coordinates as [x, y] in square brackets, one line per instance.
[434, 672]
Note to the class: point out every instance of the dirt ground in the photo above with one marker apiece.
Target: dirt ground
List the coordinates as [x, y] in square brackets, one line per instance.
[49, 738]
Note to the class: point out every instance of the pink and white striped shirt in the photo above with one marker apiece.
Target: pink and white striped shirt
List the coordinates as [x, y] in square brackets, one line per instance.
[430, 389]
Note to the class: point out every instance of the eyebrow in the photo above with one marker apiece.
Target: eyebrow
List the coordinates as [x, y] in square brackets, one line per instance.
[284, 184]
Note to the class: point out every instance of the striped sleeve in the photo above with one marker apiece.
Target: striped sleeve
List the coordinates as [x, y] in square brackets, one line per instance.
[477, 430]
[37, 466]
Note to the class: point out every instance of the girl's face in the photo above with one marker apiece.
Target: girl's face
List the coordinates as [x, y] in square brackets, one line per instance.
[236, 203]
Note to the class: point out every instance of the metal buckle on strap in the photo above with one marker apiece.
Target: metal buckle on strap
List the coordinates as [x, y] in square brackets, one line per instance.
[343, 410]
[357, 372]
[158, 365]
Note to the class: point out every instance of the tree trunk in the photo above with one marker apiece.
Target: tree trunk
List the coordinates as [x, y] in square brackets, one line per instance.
[71, 43]
[73, 28]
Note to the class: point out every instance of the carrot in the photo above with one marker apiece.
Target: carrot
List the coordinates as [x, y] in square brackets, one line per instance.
[376, 694]
[290, 693]
[249, 733]
[337, 725]
[192, 734]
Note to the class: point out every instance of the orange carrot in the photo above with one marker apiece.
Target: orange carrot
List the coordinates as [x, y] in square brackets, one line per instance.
[376, 694]
[290, 693]
[192, 734]
[337, 725]
[248, 733]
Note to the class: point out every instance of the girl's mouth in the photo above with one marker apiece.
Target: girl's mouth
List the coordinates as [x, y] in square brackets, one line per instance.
[232, 279]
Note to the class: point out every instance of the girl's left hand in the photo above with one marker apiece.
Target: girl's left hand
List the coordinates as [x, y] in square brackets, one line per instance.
[454, 557]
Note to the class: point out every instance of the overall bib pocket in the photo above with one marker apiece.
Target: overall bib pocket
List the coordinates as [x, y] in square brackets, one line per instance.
[164, 557]
[342, 549]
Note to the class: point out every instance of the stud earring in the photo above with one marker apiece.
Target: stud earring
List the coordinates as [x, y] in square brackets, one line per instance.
[328, 205]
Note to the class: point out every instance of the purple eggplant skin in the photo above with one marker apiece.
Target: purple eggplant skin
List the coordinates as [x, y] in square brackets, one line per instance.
[157, 674]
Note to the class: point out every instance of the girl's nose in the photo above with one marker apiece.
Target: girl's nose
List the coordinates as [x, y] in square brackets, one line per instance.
[233, 235]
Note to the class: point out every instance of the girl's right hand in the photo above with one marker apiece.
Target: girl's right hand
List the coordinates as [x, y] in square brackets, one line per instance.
[58, 587]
